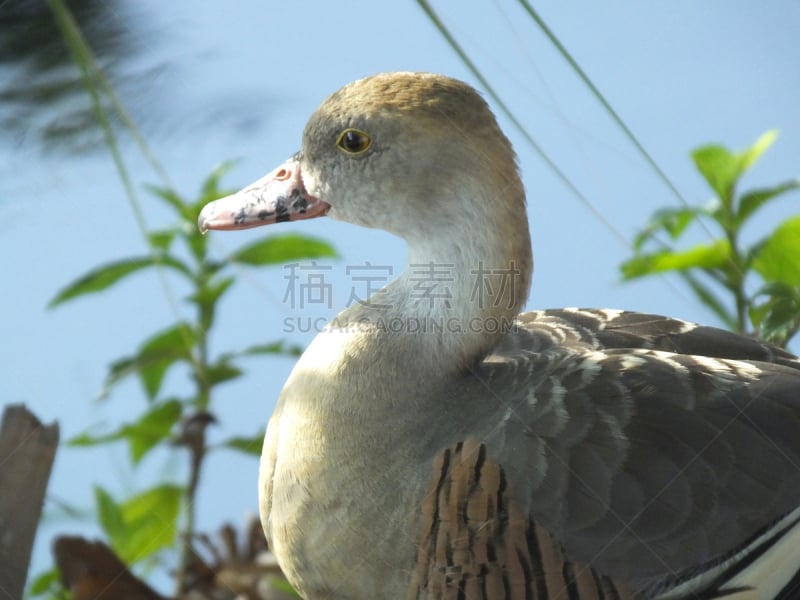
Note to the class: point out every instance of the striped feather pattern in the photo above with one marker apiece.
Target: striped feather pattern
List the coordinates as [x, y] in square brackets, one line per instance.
[477, 544]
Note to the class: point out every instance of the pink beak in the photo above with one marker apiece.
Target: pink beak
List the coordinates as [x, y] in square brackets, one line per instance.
[279, 196]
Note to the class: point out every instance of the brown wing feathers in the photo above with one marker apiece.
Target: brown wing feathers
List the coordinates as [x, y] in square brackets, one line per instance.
[476, 543]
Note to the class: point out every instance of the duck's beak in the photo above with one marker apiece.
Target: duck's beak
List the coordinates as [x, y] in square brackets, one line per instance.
[279, 196]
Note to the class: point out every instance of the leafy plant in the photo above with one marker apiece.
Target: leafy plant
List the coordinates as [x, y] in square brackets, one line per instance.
[147, 522]
[724, 267]
[143, 525]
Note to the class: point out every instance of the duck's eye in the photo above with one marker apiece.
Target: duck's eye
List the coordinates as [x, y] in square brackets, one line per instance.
[353, 141]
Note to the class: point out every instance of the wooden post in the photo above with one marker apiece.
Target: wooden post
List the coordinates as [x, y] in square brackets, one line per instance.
[27, 450]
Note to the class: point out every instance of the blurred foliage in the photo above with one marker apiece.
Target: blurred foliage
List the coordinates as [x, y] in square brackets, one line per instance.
[720, 270]
[142, 525]
[43, 101]
[41, 92]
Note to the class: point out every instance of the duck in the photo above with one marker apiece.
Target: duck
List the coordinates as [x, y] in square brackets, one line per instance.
[435, 442]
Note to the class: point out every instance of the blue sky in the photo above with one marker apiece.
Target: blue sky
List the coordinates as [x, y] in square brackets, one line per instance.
[680, 73]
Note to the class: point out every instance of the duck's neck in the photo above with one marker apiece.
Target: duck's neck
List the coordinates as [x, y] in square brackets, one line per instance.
[457, 297]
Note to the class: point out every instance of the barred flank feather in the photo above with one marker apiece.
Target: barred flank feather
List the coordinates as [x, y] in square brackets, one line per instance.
[477, 544]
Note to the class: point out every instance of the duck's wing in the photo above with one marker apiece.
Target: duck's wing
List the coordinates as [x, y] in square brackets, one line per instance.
[655, 449]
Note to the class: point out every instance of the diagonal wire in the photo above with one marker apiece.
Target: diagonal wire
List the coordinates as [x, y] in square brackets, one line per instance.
[610, 110]
[425, 5]
[506, 111]
[602, 100]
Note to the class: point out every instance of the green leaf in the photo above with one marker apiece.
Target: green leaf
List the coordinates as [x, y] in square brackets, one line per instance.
[86, 439]
[778, 290]
[141, 525]
[248, 445]
[748, 158]
[777, 319]
[161, 240]
[109, 515]
[104, 277]
[757, 314]
[222, 371]
[160, 352]
[778, 258]
[152, 428]
[154, 358]
[720, 168]
[780, 323]
[197, 242]
[279, 249]
[723, 168]
[280, 347]
[101, 278]
[151, 520]
[43, 583]
[752, 201]
[209, 294]
[673, 221]
[712, 256]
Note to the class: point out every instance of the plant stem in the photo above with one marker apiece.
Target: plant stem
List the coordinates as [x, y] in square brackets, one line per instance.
[194, 438]
[194, 433]
[737, 269]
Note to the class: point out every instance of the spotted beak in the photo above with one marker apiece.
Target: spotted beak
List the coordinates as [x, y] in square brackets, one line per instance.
[279, 196]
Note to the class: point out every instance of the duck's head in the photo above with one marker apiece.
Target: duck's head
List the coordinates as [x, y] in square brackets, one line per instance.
[415, 154]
